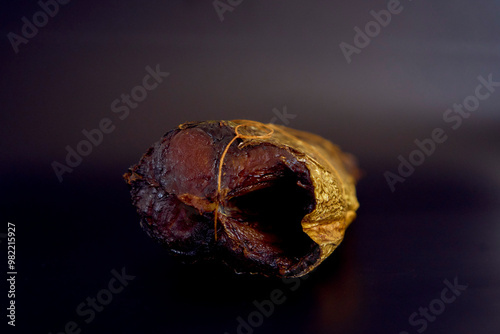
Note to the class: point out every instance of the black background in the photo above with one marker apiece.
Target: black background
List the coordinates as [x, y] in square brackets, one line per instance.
[441, 223]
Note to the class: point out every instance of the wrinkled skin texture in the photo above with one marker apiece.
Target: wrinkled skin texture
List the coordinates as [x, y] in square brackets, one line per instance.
[265, 195]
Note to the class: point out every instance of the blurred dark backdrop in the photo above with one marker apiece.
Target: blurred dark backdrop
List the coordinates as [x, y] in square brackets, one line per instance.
[275, 61]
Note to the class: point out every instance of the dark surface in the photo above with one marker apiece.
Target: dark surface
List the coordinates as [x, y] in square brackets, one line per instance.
[442, 222]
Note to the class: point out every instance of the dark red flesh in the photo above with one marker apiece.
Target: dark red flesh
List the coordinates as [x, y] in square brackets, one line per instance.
[265, 193]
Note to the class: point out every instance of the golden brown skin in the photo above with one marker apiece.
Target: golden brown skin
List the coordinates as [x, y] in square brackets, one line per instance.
[279, 198]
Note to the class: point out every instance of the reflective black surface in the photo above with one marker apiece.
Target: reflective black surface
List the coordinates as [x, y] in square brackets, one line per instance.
[439, 228]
